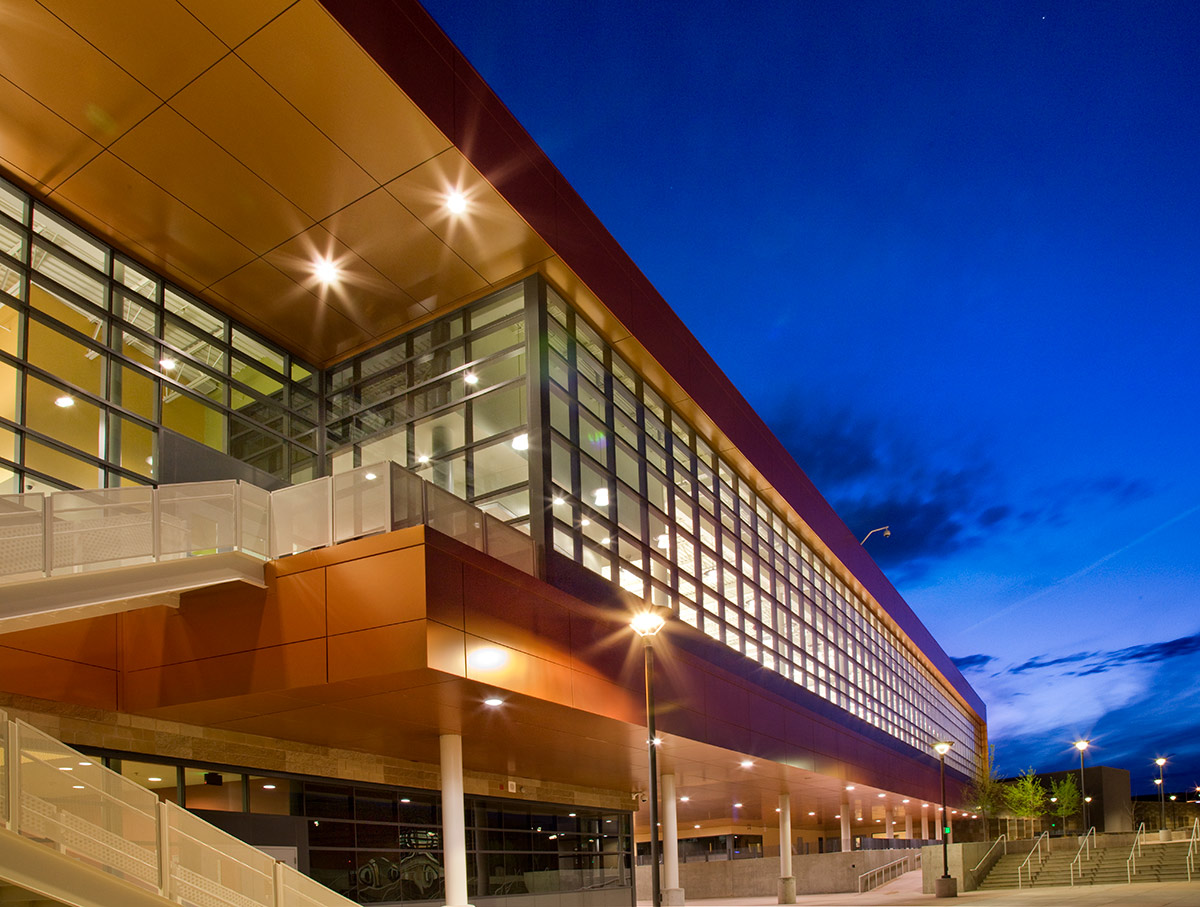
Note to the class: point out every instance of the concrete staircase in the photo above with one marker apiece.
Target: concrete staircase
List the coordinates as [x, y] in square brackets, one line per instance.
[1105, 866]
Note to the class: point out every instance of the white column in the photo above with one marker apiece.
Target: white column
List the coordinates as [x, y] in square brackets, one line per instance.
[787, 882]
[845, 826]
[908, 829]
[672, 894]
[924, 823]
[454, 823]
[889, 822]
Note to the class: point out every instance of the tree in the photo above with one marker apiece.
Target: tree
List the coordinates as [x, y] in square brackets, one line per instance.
[985, 792]
[1065, 799]
[1025, 797]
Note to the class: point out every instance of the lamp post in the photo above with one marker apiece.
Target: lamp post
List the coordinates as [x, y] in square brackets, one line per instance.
[1162, 800]
[646, 625]
[1082, 746]
[886, 530]
[945, 887]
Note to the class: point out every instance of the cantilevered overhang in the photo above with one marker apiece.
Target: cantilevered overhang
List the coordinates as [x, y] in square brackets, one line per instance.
[232, 144]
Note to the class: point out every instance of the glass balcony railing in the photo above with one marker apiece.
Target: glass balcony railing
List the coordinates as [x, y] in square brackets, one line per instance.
[51, 794]
[71, 532]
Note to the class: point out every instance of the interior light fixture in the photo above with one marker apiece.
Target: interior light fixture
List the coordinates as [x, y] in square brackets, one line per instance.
[64, 401]
[471, 378]
[423, 459]
[664, 541]
[456, 202]
[556, 500]
[85, 763]
[370, 477]
[65, 768]
[570, 815]
[585, 522]
[80, 787]
[405, 800]
[606, 541]
[268, 787]
[154, 779]
[168, 363]
[601, 495]
[521, 442]
[326, 271]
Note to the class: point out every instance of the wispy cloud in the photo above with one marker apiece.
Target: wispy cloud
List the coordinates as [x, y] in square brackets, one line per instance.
[972, 662]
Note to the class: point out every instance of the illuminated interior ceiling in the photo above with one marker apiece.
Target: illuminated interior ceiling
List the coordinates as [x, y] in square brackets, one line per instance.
[235, 146]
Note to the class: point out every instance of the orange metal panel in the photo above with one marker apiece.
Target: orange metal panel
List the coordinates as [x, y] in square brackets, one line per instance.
[310, 60]
[447, 648]
[235, 108]
[376, 591]
[377, 651]
[225, 619]
[46, 677]
[501, 612]
[91, 642]
[235, 20]
[119, 203]
[444, 587]
[159, 44]
[37, 141]
[299, 664]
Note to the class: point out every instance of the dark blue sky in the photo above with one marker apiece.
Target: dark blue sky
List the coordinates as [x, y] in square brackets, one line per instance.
[970, 235]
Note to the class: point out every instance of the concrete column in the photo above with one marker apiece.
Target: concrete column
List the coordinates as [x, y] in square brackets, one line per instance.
[672, 894]
[908, 825]
[924, 823]
[454, 822]
[846, 839]
[889, 822]
[787, 881]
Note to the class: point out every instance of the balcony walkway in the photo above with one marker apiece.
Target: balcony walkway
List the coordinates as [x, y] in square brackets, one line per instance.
[75, 554]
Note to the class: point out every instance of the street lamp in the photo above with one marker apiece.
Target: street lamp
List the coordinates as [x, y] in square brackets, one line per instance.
[886, 530]
[1082, 746]
[646, 625]
[1162, 800]
[946, 887]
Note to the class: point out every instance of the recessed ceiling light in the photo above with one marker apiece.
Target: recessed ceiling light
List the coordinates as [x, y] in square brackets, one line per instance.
[585, 522]
[838, 816]
[405, 800]
[664, 542]
[154, 779]
[849, 787]
[556, 500]
[605, 541]
[657, 741]
[326, 271]
[268, 787]
[695, 826]
[521, 442]
[737, 806]
[601, 495]
[903, 801]
[168, 363]
[456, 202]
[881, 796]
[423, 459]
[471, 378]
[493, 701]
[65, 768]
[64, 401]
[684, 799]
[812, 813]
[77, 787]
[85, 763]
[746, 763]
[570, 815]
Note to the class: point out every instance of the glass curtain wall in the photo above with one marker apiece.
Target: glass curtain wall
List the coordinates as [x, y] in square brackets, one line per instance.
[448, 400]
[97, 353]
[638, 497]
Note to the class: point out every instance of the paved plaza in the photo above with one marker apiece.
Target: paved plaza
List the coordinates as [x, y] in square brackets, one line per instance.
[907, 890]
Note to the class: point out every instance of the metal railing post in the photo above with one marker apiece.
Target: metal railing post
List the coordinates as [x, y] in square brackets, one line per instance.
[12, 768]
[277, 877]
[47, 534]
[155, 526]
[164, 850]
[237, 515]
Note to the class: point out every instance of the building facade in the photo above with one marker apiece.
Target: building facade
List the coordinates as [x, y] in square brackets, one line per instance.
[214, 265]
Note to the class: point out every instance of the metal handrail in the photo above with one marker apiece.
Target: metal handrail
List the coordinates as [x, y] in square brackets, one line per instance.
[915, 858]
[1002, 839]
[1083, 848]
[1193, 849]
[1037, 848]
[1134, 852]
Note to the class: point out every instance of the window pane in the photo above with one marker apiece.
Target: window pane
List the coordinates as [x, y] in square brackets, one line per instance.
[63, 416]
[130, 445]
[192, 418]
[499, 466]
[10, 329]
[65, 236]
[499, 411]
[65, 357]
[61, 466]
[205, 789]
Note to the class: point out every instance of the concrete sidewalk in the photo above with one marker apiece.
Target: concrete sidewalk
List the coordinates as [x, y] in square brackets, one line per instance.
[907, 890]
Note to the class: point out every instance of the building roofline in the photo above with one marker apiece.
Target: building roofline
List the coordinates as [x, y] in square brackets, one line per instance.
[412, 49]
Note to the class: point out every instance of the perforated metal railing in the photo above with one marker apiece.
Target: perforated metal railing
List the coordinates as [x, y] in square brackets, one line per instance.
[54, 795]
[71, 532]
